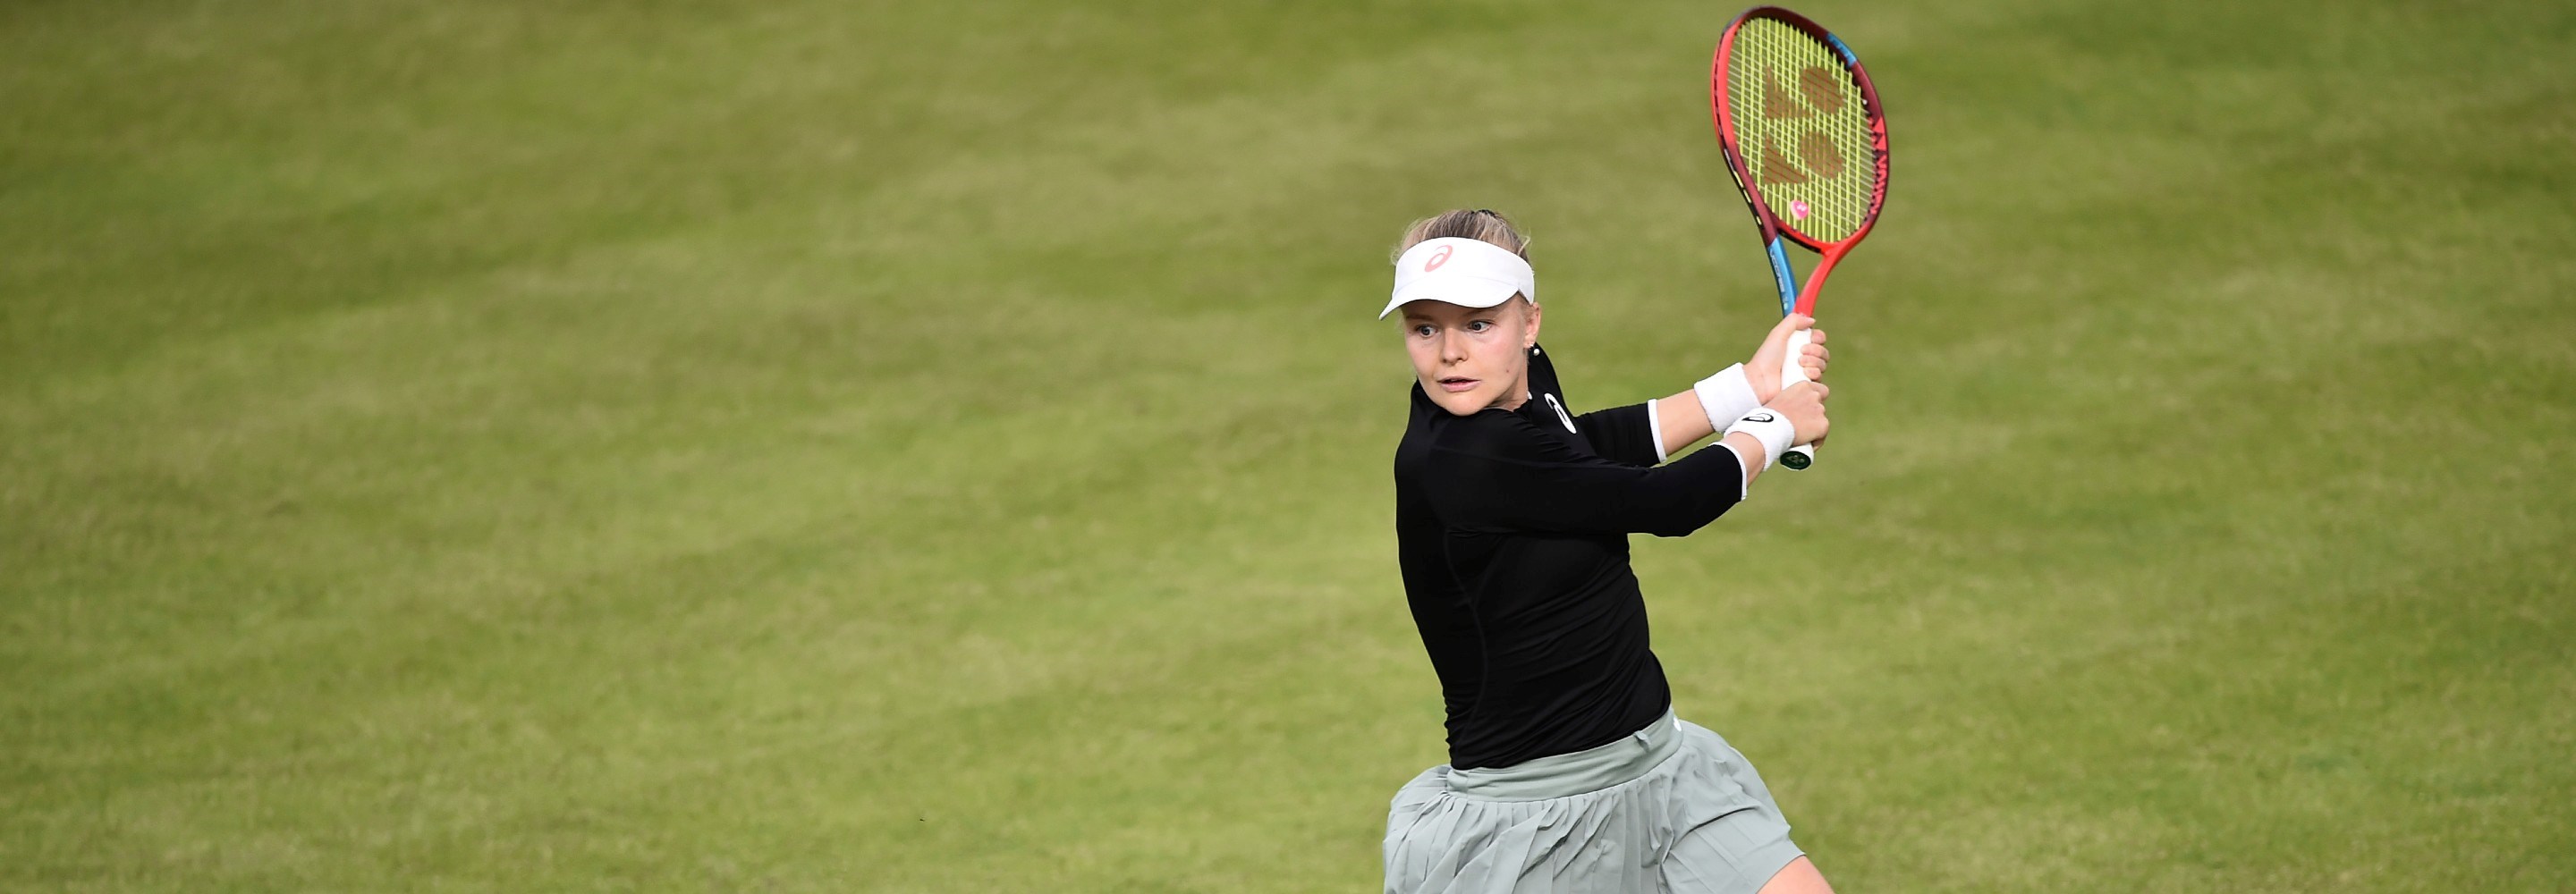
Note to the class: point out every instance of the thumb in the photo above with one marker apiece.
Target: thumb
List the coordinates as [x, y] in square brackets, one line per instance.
[1780, 334]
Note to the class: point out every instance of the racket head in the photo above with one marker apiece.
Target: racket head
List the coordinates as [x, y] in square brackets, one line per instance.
[1802, 128]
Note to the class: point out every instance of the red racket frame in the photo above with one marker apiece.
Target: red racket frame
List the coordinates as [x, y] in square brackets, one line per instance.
[1773, 228]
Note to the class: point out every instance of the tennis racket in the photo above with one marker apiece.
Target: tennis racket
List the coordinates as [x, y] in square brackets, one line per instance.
[1803, 134]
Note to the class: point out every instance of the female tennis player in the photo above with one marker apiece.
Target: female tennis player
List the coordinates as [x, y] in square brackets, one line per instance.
[1567, 768]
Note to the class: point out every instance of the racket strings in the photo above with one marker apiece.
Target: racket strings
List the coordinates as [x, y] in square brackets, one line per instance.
[1803, 127]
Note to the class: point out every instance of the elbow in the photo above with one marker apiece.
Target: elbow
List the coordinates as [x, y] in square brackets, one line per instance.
[1679, 527]
[1683, 521]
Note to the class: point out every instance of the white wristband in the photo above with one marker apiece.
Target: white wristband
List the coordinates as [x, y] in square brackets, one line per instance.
[1770, 428]
[1726, 395]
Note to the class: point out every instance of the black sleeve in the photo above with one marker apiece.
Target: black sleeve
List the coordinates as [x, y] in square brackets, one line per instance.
[1497, 471]
[1622, 434]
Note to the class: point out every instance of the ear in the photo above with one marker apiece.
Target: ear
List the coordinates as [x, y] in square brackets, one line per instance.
[1529, 337]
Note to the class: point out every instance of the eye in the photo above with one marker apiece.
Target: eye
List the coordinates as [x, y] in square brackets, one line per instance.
[1422, 330]
[1480, 325]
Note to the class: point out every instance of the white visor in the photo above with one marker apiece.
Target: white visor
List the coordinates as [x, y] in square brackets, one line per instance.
[1460, 271]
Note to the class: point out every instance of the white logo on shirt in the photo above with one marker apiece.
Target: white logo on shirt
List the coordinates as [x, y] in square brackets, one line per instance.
[1560, 414]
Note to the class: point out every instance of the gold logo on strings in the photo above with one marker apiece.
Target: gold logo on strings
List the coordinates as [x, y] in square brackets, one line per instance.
[1821, 90]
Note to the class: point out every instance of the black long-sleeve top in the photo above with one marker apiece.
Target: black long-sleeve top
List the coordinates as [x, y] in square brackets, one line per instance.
[1511, 531]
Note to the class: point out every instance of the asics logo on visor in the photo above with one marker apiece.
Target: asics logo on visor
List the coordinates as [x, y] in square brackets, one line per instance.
[1438, 258]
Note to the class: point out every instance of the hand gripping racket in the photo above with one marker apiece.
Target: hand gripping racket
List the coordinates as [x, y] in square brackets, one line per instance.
[1803, 134]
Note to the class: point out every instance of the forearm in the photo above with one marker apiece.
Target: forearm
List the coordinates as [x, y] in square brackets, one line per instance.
[1686, 417]
[1681, 422]
[1749, 449]
[1558, 489]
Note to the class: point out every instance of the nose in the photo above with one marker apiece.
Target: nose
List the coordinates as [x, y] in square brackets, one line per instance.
[1453, 348]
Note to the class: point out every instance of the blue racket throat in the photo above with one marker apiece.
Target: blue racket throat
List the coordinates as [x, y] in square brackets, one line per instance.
[1783, 277]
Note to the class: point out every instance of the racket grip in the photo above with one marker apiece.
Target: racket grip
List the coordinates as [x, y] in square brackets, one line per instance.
[1803, 455]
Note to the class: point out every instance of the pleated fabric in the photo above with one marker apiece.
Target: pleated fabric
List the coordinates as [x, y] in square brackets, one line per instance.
[1699, 820]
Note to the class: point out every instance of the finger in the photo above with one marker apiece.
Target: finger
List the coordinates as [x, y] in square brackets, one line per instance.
[1817, 334]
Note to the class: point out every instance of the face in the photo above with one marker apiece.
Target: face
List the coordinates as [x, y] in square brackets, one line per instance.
[1471, 358]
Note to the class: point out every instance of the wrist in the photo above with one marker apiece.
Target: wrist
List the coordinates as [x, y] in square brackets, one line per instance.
[1726, 395]
[1769, 427]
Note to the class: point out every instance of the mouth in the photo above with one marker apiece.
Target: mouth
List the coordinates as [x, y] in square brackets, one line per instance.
[1455, 384]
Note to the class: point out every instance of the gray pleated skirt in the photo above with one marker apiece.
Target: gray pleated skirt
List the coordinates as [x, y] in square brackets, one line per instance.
[1671, 807]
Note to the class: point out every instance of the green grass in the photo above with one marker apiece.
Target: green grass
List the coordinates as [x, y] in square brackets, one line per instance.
[942, 447]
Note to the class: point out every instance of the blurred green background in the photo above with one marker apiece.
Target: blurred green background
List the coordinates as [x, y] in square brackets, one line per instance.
[810, 446]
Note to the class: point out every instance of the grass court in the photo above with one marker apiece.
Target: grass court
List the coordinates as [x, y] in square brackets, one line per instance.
[909, 447]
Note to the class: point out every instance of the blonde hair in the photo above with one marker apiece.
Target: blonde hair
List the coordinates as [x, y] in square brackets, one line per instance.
[1480, 223]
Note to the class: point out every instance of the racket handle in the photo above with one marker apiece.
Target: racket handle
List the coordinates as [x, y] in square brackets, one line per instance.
[1803, 455]
[1799, 457]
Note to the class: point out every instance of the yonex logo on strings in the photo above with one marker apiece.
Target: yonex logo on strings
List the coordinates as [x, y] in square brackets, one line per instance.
[1822, 89]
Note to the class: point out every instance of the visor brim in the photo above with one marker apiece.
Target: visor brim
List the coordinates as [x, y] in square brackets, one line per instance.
[1464, 292]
